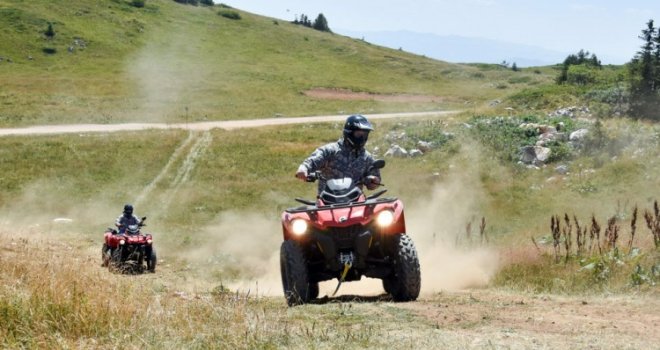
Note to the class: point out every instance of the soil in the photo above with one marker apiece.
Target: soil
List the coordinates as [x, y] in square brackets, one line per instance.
[500, 319]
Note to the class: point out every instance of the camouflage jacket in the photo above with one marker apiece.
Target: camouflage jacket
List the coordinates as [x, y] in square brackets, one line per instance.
[337, 160]
[123, 222]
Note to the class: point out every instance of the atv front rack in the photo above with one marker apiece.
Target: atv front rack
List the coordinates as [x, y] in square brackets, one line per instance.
[314, 208]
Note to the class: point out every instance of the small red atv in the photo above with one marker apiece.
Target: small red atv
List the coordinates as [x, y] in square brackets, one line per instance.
[347, 235]
[129, 251]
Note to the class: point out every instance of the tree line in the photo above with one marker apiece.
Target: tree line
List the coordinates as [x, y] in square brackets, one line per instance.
[320, 23]
[643, 74]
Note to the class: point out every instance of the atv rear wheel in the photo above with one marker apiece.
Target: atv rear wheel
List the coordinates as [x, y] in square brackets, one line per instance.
[295, 279]
[405, 282]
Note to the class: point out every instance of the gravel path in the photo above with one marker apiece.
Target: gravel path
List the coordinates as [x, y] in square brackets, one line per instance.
[201, 126]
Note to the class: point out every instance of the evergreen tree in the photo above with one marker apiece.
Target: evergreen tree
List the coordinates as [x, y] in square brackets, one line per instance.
[514, 67]
[321, 23]
[644, 76]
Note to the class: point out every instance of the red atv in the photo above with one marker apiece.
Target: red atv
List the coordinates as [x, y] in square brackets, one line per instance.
[128, 251]
[347, 235]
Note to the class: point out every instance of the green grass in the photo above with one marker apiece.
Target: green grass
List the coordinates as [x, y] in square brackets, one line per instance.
[171, 62]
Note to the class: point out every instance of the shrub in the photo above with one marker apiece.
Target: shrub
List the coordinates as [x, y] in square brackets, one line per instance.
[207, 2]
[229, 14]
[188, 2]
[50, 32]
[580, 75]
[49, 50]
[138, 3]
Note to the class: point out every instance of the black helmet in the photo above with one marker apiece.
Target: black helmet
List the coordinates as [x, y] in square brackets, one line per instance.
[128, 210]
[353, 123]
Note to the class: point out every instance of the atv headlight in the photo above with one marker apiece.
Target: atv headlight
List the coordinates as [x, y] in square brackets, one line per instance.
[149, 241]
[385, 218]
[122, 242]
[299, 227]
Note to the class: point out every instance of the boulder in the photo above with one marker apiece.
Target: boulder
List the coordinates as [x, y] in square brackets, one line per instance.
[562, 169]
[424, 146]
[416, 153]
[396, 151]
[578, 135]
[534, 154]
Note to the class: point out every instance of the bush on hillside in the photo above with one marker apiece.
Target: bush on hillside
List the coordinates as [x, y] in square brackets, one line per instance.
[589, 62]
[50, 32]
[49, 50]
[207, 2]
[230, 14]
[138, 3]
[581, 74]
[188, 2]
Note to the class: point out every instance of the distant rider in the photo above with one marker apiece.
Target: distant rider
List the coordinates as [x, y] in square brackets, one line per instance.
[126, 219]
[344, 158]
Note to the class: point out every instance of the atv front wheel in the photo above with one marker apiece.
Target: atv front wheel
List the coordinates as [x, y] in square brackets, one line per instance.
[295, 280]
[405, 282]
[151, 261]
[105, 255]
[115, 264]
[313, 290]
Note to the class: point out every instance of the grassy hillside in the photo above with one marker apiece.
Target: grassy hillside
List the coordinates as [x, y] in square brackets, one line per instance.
[213, 198]
[113, 62]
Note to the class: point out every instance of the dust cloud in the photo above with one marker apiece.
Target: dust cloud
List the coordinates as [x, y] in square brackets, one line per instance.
[166, 74]
[250, 243]
[449, 259]
[242, 250]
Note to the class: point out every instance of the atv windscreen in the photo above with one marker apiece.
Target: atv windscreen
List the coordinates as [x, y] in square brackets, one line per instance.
[339, 191]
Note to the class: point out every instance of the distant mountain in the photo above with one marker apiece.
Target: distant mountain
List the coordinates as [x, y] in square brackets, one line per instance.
[459, 49]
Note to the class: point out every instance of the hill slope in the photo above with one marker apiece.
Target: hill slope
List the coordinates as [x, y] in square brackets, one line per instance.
[111, 62]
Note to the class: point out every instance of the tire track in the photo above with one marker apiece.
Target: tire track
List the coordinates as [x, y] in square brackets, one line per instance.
[173, 158]
[185, 170]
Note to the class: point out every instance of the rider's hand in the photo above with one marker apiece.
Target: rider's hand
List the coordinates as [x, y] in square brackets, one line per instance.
[372, 182]
[302, 174]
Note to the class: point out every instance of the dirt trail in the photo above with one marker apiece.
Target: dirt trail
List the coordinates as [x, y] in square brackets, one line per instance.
[501, 319]
[202, 126]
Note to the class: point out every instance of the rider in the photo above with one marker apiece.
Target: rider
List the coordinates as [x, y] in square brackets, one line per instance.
[344, 158]
[126, 219]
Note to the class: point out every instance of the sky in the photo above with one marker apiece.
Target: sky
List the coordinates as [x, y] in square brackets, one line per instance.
[608, 28]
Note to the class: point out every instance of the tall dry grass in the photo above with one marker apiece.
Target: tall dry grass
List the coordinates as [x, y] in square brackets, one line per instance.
[54, 295]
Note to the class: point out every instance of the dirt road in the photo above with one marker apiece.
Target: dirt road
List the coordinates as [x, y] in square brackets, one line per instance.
[513, 320]
[201, 126]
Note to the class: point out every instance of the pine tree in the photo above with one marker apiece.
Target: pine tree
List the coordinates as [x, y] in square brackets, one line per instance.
[645, 76]
[321, 23]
